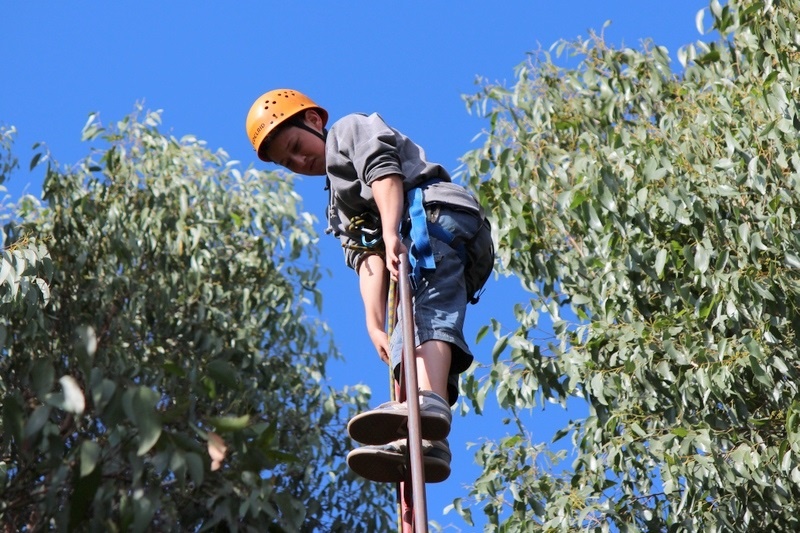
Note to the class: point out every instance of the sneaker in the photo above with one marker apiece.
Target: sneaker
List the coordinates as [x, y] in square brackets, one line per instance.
[388, 463]
[389, 421]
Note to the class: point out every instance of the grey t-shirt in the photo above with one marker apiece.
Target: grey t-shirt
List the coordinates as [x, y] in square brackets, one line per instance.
[360, 149]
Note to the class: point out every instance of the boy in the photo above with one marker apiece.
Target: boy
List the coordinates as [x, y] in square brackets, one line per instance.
[376, 177]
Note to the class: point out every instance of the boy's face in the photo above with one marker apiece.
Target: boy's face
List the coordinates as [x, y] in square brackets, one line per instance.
[299, 150]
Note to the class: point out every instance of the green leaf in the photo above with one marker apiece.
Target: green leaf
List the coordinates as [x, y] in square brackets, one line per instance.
[35, 160]
[223, 372]
[195, 466]
[481, 333]
[5, 270]
[752, 346]
[580, 299]
[143, 511]
[759, 372]
[702, 258]
[560, 434]
[90, 454]
[173, 368]
[36, 421]
[711, 57]
[598, 385]
[13, 423]
[42, 377]
[149, 432]
[499, 346]
[661, 260]
[141, 409]
[698, 21]
[230, 423]
[102, 392]
[792, 261]
[80, 503]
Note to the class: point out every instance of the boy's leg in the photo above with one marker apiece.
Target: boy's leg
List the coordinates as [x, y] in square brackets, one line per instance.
[388, 421]
[433, 367]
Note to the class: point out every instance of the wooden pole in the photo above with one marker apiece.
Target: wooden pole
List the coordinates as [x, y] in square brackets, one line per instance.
[412, 401]
[405, 511]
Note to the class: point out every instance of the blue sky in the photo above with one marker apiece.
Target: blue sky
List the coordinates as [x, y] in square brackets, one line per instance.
[204, 63]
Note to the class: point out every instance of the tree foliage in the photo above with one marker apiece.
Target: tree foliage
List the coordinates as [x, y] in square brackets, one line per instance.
[653, 217]
[25, 266]
[159, 370]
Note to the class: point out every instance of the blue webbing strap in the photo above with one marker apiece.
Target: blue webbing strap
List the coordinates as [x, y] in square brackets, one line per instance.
[421, 254]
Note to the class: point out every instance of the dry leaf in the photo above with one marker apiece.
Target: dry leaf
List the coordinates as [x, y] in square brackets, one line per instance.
[74, 402]
[216, 450]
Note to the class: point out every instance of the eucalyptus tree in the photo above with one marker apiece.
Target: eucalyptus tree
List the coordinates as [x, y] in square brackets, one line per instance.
[160, 369]
[653, 216]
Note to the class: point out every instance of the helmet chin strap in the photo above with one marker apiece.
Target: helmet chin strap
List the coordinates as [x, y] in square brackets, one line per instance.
[300, 123]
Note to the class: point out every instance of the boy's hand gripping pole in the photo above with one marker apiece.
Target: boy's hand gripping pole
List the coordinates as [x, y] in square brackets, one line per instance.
[412, 400]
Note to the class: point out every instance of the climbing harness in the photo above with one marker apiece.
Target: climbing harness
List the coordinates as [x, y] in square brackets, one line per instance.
[477, 254]
[421, 252]
[368, 226]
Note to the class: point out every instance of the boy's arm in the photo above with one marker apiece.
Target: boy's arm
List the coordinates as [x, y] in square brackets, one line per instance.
[390, 199]
[374, 287]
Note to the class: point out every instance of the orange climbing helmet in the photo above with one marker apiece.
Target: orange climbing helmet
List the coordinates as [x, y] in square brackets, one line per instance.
[272, 109]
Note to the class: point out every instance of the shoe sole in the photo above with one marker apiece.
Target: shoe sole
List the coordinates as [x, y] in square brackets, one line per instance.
[387, 467]
[383, 427]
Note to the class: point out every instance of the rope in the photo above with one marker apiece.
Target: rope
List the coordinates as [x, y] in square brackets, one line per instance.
[390, 325]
